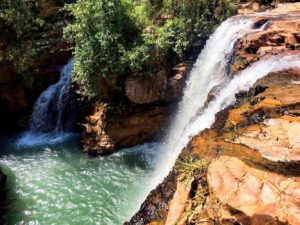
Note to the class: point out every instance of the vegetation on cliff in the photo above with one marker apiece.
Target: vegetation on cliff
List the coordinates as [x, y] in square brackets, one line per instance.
[117, 38]
[26, 33]
[32, 52]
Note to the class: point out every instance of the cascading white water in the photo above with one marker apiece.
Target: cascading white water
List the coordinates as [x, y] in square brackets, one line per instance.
[52, 115]
[210, 73]
[243, 81]
[50, 107]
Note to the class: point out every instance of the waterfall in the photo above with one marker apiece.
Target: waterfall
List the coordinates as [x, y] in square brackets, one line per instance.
[52, 117]
[211, 74]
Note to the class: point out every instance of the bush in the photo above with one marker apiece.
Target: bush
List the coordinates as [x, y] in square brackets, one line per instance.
[116, 38]
[103, 33]
[18, 18]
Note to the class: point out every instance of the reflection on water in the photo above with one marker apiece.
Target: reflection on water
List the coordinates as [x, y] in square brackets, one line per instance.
[57, 184]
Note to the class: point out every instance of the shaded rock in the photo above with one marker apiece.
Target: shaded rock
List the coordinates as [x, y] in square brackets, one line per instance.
[141, 90]
[154, 210]
[145, 118]
[22, 80]
[158, 87]
[2, 179]
[108, 129]
[178, 202]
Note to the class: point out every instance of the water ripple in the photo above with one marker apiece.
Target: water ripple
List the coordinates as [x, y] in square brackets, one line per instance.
[60, 185]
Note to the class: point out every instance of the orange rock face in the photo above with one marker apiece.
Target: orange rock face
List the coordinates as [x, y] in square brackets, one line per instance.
[107, 131]
[280, 35]
[255, 192]
[277, 140]
[157, 88]
[178, 203]
[144, 118]
[253, 177]
[253, 148]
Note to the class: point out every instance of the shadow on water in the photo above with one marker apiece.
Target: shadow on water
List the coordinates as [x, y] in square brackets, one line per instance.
[59, 184]
[12, 207]
[10, 202]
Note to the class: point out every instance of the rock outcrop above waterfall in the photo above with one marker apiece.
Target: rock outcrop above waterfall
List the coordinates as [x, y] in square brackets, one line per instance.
[22, 76]
[281, 35]
[245, 168]
[145, 117]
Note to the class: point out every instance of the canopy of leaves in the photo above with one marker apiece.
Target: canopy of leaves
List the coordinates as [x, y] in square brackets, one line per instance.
[26, 30]
[114, 38]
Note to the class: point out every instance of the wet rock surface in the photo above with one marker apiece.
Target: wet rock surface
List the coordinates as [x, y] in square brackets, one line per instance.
[154, 210]
[279, 35]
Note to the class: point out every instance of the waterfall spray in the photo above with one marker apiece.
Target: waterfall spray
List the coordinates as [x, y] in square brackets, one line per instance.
[52, 117]
[211, 73]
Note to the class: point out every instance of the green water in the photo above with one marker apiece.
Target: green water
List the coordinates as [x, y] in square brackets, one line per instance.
[57, 184]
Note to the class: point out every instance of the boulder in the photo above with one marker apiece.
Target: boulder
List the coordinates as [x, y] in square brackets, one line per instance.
[277, 139]
[144, 118]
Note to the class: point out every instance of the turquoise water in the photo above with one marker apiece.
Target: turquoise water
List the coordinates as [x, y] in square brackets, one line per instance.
[58, 184]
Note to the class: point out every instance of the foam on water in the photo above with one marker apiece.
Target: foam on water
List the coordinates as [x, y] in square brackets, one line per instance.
[59, 185]
[53, 113]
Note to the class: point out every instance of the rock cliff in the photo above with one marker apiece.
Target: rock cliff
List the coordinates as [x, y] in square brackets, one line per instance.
[30, 65]
[143, 117]
[245, 168]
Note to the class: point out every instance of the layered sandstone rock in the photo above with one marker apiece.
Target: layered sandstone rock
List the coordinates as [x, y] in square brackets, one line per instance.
[280, 35]
[252, 150]
[145, 118]
[264, 197]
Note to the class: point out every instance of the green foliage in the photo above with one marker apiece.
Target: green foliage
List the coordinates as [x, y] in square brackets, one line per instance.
[19, 24]
[25, 29]
[19, 18]
[103, 33]
[192, 167]
[120, 37]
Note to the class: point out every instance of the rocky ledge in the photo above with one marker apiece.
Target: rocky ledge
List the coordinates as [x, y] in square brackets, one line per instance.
[245, 168]
[143, 117]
